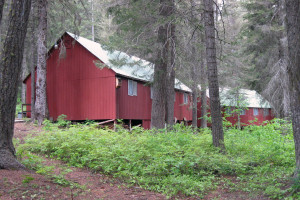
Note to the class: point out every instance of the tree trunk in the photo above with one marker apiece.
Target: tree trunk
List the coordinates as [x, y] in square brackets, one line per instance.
[293, 30]
[158, 113]
[170, 84]
[194, 66]
[194, 106]
[1, 10]
[32, 72]
[238, 107]
[282, 57]
[217, 128]
[41, 94]
[24, 74]
[203, 108]
[195, 89]
[203, 82]
[33, 57]
[10, 68]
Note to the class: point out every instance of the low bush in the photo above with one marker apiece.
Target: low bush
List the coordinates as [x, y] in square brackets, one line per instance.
[174, 161]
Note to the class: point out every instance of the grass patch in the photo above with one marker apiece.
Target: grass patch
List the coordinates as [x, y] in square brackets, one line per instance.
[261, 157]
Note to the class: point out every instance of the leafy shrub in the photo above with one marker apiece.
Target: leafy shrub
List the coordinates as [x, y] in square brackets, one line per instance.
[174, 161]
[62, 122]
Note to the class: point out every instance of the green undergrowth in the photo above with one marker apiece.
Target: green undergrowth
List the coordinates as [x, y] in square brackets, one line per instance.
[36, 162]
[260, 158]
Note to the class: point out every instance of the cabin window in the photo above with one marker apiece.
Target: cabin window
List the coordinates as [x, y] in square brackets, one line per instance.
[132, 88]
[255, 111]
[243, 112]
[185, 98]
[266, 112]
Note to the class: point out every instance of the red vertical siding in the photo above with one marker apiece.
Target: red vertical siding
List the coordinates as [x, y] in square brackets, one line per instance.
[139, 107]
[77, 88]
[182, 111]
[146, 124]
[247, 119]
[134, 107]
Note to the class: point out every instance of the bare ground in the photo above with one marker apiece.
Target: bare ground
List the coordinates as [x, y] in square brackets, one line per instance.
[15, 185]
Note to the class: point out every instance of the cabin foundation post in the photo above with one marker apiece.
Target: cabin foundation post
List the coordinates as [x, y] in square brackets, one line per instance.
[130, 125]
[115, 125]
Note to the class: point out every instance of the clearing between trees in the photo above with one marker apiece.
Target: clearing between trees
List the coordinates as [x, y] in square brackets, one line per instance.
[177, 165]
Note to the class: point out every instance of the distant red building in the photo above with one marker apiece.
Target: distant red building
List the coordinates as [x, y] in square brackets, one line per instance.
[84, 84]
[254, 110]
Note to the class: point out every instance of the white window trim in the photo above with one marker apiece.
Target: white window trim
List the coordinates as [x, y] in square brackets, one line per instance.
[132, 88]
[255, 109]
[185, 98]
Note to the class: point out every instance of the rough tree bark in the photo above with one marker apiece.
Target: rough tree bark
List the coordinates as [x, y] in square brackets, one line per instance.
[203, 78]
[194, 68]
[293, 30]
[2, 2]
[194, 97]
[23, 76]
[10, 68]
[213, 83]
[284, 111]
[203, 98]
[1, 9]
[33, 56]
[170, 81]
[41, 95]
[158, 112]
[32, 72]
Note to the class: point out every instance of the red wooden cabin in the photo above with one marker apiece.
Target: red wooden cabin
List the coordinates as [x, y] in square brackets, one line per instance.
[84, 84]
[254, 109]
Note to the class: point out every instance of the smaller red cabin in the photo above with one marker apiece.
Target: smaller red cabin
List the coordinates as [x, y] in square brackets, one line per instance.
[244, 106]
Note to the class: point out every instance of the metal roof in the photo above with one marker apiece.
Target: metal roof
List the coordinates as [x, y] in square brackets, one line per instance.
[248, 98]
[132, 67]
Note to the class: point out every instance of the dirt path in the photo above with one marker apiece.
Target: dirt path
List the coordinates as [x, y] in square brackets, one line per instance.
[88, 185]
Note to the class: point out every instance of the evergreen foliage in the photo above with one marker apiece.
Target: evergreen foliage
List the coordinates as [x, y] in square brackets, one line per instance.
[261, 35]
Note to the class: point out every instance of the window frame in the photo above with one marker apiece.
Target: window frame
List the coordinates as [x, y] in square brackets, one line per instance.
[132, 88]
[254, 112]
[185, 98]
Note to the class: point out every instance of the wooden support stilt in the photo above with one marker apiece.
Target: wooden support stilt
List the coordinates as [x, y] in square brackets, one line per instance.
[115, 125]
